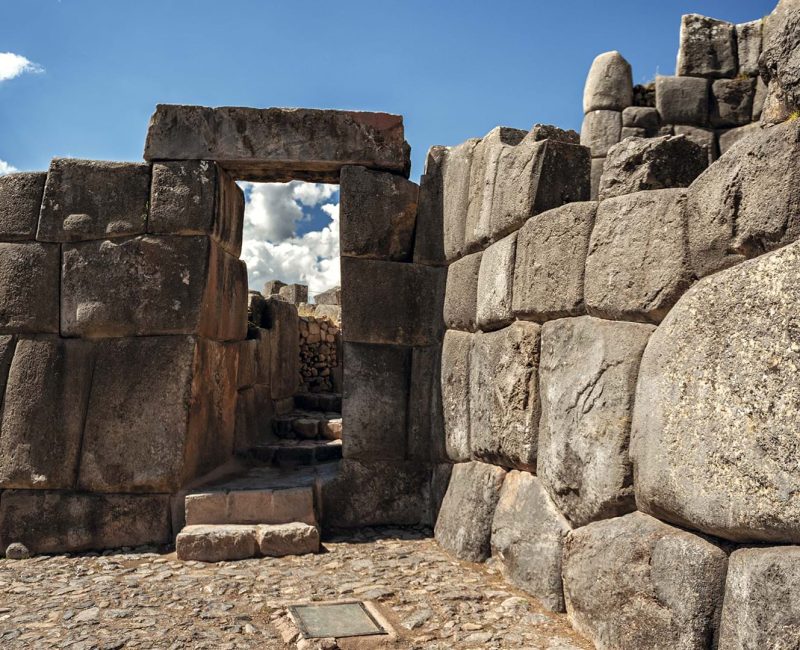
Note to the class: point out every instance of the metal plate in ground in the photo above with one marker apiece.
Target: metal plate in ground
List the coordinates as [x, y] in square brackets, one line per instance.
[337, 620]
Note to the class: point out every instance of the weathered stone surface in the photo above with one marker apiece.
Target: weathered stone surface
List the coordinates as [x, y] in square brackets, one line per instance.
[632, 132]
[504, 396]
[682, 100]
[550, 132]
[196, 197]
[287, 539]
[587, 380]
[495, 284]
[375, 401]
[426, 439]
[550, 261]
[761, 609]
[464, 526]
[331, 297]
[378, 214]
[456, 351]
[216, 543]
[637, 266]
[429, 235]
[391, 302]
[43, 411]
[20, 201]
[707, 47]
[278, 144]
[633, 582]
[246, 430]
[456, 167]
[59, 522]
[714, 430]
[29, 288]
[732, 102]
[643, 117]
[759, 98]
[17, 551]
[250, 503]
[703, 137]
[528, 535]
[272, 287]
[87, 199]
[294, 293]
[729, 138]
[609, 85]
[748, 46]
[461, 293]
[284, 348]
[601, 130]
[640, 164]
[780, 60]
[776, 107]
[152, 285]
[748, 202]
[596, 174]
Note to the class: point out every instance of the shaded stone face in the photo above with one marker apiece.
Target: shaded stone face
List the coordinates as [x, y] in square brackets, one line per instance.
[426, 438]
[682, 100]
[20, 201]
[732, 102]
[748, 46]
[284, 348]
[461, 293]
[455, 379]
[780, 61]
[429, 235]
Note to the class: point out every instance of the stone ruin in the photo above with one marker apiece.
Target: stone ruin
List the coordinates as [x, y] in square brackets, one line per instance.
[581, 371]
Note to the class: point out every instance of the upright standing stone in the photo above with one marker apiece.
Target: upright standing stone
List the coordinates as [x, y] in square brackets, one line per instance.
[609, 85]
[748, 44]
[601, 130]
[495, 284]
[284, 348]
[707, 48]
[29, 300]
[273, 287]
[455, 196]
[426, 437]
[682, 100]
[20, 202]
[461, 293]
[455, 381]
[429, 235]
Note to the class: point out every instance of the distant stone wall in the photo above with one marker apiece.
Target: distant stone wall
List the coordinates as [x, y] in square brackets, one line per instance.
[321, 348]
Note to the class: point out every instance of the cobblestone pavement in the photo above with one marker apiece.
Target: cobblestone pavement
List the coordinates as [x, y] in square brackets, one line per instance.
[141, 599]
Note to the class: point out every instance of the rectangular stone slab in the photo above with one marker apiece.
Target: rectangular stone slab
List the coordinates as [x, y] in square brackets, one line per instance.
[29, 287]
[278, 144]
[20, 202]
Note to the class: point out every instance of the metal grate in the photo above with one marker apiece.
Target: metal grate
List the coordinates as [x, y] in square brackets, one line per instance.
[337, 620]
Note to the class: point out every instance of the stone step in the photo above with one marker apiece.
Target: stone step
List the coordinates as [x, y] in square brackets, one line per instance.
[308, 425]
[293, 453]
[218, 543]
[318, 401]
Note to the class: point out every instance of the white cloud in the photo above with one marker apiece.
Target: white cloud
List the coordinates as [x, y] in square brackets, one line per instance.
[13, 65]
[5, 168]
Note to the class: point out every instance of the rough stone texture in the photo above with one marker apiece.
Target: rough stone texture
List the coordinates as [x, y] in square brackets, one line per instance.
[587, 380]
[456, 167]
[634, 582]
[748, 46]
[495, 284]
[643, 117]
[152, 285]
[596, 174]
[703, 137]
[429, 235]
[632, 132]
[464, 526]
[246, 430]
[780, 60]
[609, 85]
[426, 439]
[378, 214]
[278, 144]
[732, 102]
[504, 396]
[273, 287]
[639, 164]
[729, 138]
[528, 535]
[748, 202]
[714, 429]
[776, 107]
[29, 288]
[636, 268]
[682, 100]
[456, 351]
[375, 401]
[761, 609]
[248, 502]
[759, 98]
[331, 297]
[284, 348]
[64, 522]
[216, 543]
[707, 47]
[43, 411]
[196, 197]
[391, 302]
[461, 293]
[287, 539]
[550, 261]
[20, 201]
[550, 132]
[601, 130]
[16, 551]
[87, 199]
[294, 293]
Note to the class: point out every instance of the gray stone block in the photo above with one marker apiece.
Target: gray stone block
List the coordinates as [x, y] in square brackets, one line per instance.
[759, 98]
[278, 144]
[331, 297]
[779, 62]
[281, 540]
[456, 173]
[706, 138]
[528, 535]
[631, 132]
[550, 260]
[246, 500]
[20, 202]
[761, 609]
[294, 293]
[455, 381]
[272, 288]
[596, 174]
[651, 164]
[464, 526]
[633, 582]
[587, 380]
[642, 117]
[426, 439]
[29, 288]
[600, 131]
[550, 132]
[87, 199]
[748, 47]
[216, 543]
[495, 284]
[715, 418]
[461, 293]
[637, 265]
[609, 85]
[284, 348]
[732, 102]
[43, 412]
[378, 214]
[375, 401]
[504, 396]
[707, 47]
[682, 100]
[429, 235]
[730, 137]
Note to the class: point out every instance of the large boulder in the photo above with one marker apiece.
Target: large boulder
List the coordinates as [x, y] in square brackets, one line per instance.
[715, 423]
[587, 380]
[707, 47]
[634, 582]
[609, 85]
[528, 535]
[20, 202]
[455, 378]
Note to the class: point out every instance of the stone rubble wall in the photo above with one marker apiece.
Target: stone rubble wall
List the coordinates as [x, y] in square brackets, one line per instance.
[321, 348]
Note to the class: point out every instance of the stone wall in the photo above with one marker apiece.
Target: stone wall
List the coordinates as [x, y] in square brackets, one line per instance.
[321, 348]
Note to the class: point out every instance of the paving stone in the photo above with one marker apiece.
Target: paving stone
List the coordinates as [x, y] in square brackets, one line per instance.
[587, 380]
[88, 199]
[643, 117]
[216, 543]
[456, 168]
[609, 85]
[732, 102]
[29, 300]
[549, 262]
[461, 293]
[601, 130]
[287, 539]
[456, 351]
[682, 100]
[495, 284]
[20, 201]
[703, 137]
[429, 235]
[748, 47]
[707, 47]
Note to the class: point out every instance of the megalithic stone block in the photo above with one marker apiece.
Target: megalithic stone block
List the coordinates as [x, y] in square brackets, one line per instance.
[496, 283]
[779, 65]
[455, 379]
[600, 131]
[426, 438]
[461, 293]
[378, 214]
[20, 202]
[609, 85]
[682, 100]
[732, 102]
[748, 46]
[705, 138]
[294, 293]
[278, 144]
[707, 48]
[29, 287]
[284, 348]
[429, 236]
[456, 173]
[196, 197]
[88, 199]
